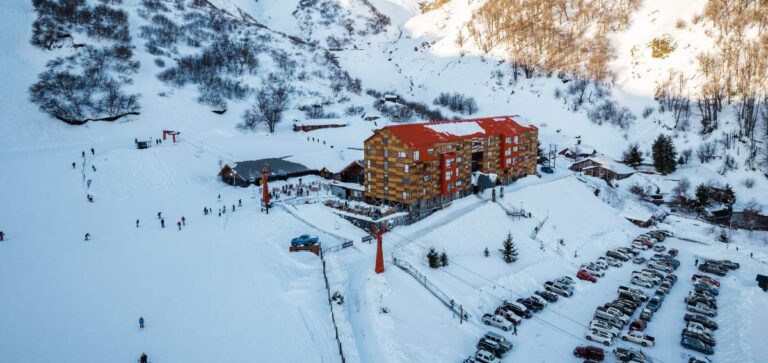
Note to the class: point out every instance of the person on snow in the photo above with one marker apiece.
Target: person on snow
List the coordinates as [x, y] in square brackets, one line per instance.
[239, 202]
[219, 212]
[87, 236]
[93, 167]
[73, 165]
[205, 211]
[158, 215]
[90, 198]
[178, 224]
[93, 152]
[162, 223]
[143, 358]
[233, 207]
[2, 236]
[141, 322]
[183, 220]
[82, 154]
[219, 197]
[696, 263]
[137, 223]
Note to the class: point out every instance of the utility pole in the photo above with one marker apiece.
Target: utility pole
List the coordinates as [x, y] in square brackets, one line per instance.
[265, 188]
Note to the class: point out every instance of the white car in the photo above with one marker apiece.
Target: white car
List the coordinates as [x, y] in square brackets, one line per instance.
[485, 356]
[647, 276]
[697, 328]
[701, 309]
[600, 337]
[641, 282]
[639, 338]
[601, 264]
[600, 325]
[613, 262]
[497, 321]
[540, 299]
[593, 271]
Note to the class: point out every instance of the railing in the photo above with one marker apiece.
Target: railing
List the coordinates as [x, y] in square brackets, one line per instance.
[445, 299]
[330, 304]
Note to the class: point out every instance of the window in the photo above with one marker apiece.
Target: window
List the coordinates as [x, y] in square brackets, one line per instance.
[508, 140]
[406, 168]
[450, 186]
[507, 152]
[369, 163]
[416, 155]
[458, 160]
[448, 175]
[514, 160]
[369, 188]
[517, 139]
[406, 180]
[368, 151]
[514, 149]
[509, 161]
[385, 141]
[430, 151]
[401, 154]
[386, 189]
[449, 147]
[404, 195]
[448, 163]
[369, 175]
[386, 165]
[457, 171]
[458, 183]
[386, 153]
[426, 178]
[386, 179]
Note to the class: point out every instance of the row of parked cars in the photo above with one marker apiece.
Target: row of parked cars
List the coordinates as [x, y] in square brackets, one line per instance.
[610, 319]
[509, 314]
[701, 302]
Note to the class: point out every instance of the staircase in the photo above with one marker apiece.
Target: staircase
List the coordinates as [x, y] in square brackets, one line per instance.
[445, 299]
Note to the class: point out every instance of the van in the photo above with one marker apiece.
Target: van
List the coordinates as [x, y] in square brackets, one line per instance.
[499, 339]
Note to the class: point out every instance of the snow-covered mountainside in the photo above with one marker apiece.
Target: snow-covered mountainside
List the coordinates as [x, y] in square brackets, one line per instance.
[85, 79]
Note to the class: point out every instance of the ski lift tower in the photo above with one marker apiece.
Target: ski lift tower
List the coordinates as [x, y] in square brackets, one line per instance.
[265, 188]
[378, 230]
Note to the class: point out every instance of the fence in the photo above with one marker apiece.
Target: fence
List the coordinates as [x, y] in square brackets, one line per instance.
[339, 247]
[330, 304]
[445, 299]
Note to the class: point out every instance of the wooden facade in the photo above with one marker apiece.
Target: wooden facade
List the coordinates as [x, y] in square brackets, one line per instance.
[414, 169]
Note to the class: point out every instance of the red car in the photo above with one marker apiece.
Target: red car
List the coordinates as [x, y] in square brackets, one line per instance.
[706, 279]
[638, 324]
[584, 275]
[672, 252]
[589, 352]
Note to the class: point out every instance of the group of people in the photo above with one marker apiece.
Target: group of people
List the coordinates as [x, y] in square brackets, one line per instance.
[223, 209]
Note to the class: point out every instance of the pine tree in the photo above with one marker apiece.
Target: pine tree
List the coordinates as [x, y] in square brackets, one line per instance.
[633, 157]
[433, 260]
[729, 196]
[702, 196]
[486, 253]
[664, 155]
[508, 251]
[443, 259]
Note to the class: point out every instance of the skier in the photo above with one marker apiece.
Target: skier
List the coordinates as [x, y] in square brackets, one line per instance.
[90, 198]
[239, 202]
[183, 220]
[93, 152]
[158, 215]
[73, 165]
[87, 236]
[2, 236]
[219, 197]
[143, 358]
[178, 224]
[219, 212]
[205, 211]
[93, 167]
[137, 223]
[696, 263]
[162, 223]
[233, 207]
[141, 322]
[82, 154]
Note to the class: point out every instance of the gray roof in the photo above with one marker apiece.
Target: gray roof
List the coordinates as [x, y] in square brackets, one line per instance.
[279, 167]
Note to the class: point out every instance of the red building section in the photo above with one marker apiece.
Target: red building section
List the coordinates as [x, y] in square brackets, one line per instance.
[448, 172]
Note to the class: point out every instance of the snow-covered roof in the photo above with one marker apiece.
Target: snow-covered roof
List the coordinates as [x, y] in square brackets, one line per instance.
[611, 165]
[457, 128]
[635, 212]
[351, 186]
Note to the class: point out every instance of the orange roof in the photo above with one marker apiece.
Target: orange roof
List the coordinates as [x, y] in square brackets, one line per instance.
[428, 133]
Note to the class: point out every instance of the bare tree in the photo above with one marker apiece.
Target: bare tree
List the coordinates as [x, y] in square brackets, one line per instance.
[271, 102]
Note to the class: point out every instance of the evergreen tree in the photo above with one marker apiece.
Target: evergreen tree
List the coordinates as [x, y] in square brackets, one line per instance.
[702, 196]
[443, 259]
[486, 253]
[729, 196]
[664, 155]
[508, 251]
[433, 260]
[633, 157]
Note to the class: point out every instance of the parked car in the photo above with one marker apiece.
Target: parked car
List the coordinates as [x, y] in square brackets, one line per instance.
[695, 298]
[629, 355]
[589, 352]
[497, 321]
[624, 308]
[697, 345]
[636, 336]
[550, 286]
[672, 252]
[532, 304]
[596, 324]
[592, 269]
[518, 309]
[628, 251]
[646, 275]
[660, 267]
[609, 318]
[304, 240]
[586, 276]
[659, 248]
[617, 255]
[510, 316]
[639, 260]
[638, 324]
[600, 337]
[641, 282]
[655, 303]
[646, 314]
[540, 300]
[708, 268]
[699, 335]
[615, 312]
[727, 264]
[706, 287]
[695, 326]
[700, 308]
[703, 320]
[485, 356]
[706, 279]
[613, 262]
[547, 295]
[498, 338]
[633, 290]
[491, 346]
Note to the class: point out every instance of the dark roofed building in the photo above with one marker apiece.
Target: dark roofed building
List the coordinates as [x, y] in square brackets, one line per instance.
[245, 173]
